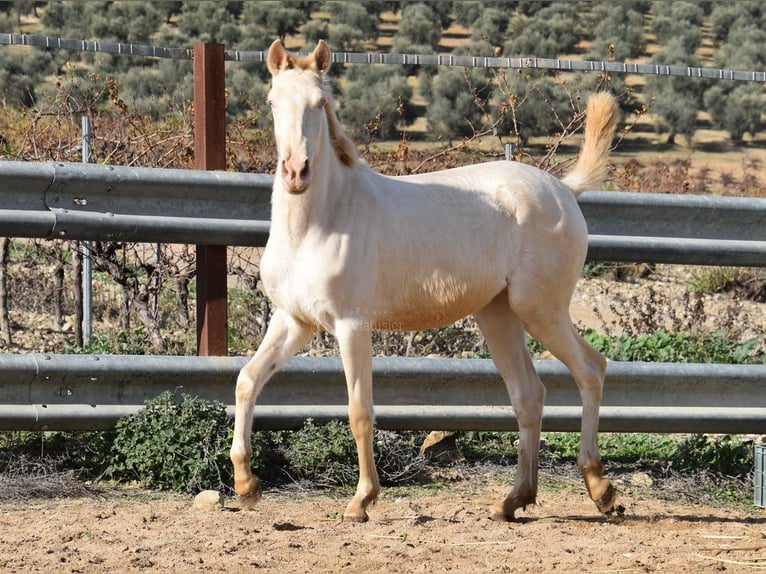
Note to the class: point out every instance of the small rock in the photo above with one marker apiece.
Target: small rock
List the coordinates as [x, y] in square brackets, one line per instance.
[641, 479]
[208, 500]
[441, 447]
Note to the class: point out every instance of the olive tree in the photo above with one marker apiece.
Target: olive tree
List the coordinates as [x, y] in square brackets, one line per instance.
[376, 101]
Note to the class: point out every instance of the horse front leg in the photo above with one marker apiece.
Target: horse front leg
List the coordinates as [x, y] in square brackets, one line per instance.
[356, 352]
[284, 337]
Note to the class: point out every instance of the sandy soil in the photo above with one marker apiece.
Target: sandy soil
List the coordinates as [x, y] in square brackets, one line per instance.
[411, 530]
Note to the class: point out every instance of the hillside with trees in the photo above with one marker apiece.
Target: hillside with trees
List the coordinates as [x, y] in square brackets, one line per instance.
[426, 102]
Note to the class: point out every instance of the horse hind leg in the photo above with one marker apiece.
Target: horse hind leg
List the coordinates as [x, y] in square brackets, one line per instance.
[553, 328]
[506, 339]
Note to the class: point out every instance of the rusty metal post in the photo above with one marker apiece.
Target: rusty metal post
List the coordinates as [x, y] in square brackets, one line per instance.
[210, 153]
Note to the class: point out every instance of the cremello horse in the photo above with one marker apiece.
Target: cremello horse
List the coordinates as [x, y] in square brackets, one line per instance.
[352, 250]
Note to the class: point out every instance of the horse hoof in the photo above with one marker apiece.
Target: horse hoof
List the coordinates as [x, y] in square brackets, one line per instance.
[356, 518]
[605, 504]
[251, 495]
[249, 501]
[499, 512]
[496, 516]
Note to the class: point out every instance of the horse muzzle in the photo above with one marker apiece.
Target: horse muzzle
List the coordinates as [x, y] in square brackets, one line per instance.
[296, 174]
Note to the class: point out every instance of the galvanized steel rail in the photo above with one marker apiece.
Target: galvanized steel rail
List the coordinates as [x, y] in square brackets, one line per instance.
[85, 392]
[103, 202]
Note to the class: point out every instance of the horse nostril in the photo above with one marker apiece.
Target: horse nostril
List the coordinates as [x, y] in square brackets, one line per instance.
[305, 171]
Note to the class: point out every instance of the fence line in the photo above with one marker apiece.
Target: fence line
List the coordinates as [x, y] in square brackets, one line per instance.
[397, 59]
[102, 202]
[88, 392]
[117, 203]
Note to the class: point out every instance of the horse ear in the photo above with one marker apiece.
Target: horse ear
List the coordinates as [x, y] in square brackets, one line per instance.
[277, 58]
[322, 56]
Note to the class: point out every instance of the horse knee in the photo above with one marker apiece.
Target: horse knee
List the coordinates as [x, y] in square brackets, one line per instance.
[528, 405]
[246, 389]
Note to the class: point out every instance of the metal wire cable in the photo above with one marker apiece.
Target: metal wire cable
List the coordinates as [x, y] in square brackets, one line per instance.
[600, 66]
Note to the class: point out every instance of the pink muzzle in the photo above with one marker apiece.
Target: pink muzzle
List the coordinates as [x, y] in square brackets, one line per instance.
[296, 174]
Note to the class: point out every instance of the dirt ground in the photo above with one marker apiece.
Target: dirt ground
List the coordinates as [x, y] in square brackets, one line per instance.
[411, 530]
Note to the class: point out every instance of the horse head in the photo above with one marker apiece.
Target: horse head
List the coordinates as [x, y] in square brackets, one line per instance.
[297, 99]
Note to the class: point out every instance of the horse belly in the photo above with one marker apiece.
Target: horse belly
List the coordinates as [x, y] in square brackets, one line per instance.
[426, 301]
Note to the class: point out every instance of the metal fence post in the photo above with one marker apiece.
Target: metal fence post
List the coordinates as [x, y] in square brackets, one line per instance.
[87, 263]
[210, 153]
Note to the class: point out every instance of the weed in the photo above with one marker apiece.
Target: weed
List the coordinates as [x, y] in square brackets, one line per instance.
[173, 444]
[673, 347]
[741, 282]
[326, 454]
[725, 456]
[484, 446]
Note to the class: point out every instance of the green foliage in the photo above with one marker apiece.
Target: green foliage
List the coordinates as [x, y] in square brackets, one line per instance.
[326, 454]
[736, 110]
[377, 102]
[714, 279]
[21, 74]
[725, 456]
[481, 446]
[85, 454]
[547, 34]
[457, 99]
[680, 22]
[618, 30]
[742, 282]
[352, 24]
[419, 30]
[664, 346]
[640, 449]
[676, 100]
[119, 342]
[180, 445]
[183, 445]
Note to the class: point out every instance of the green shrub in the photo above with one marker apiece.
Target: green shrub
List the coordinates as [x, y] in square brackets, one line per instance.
[183, 445]
[175, 445]
[725, 456]
[489, 446]
[326, 454]
[664, 346]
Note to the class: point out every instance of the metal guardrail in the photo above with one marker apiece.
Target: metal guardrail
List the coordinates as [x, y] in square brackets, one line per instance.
[60, 200]
[102, 202]
[86, 392]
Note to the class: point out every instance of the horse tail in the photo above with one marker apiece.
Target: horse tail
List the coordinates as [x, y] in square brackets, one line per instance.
[600, 123]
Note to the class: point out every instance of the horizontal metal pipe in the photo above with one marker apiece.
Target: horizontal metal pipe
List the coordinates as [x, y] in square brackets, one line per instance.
[677, 250]
[429, 417]
[103, 202]
[65, 392]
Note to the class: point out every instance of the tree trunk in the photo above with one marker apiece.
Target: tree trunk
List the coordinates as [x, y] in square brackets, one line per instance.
[58, 296]
[182, 300]
[5, 321]
[78, 294]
